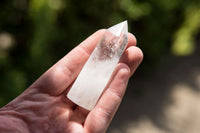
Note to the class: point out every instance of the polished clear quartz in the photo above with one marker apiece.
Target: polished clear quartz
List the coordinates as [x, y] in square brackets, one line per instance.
[98, 69]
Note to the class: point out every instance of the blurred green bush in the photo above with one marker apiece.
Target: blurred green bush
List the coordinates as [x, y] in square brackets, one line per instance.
[34, 34]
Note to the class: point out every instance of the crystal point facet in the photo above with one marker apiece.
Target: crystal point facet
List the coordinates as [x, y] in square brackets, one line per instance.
[119, 28]
[97, 71]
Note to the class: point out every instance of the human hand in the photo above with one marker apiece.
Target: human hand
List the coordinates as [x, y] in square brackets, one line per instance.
[44, 107]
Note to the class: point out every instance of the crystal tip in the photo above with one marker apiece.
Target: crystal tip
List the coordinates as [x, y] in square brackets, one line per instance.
[119, 28]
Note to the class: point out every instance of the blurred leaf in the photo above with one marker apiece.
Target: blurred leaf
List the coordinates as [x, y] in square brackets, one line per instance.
[135, 10]
[184, 38]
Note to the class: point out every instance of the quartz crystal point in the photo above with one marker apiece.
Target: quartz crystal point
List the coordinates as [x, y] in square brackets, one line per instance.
[98, 69]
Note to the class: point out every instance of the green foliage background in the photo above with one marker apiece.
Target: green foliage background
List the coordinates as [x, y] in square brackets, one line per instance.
[34, 34]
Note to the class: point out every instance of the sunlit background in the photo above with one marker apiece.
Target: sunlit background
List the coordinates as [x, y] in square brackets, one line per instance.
[162, 97]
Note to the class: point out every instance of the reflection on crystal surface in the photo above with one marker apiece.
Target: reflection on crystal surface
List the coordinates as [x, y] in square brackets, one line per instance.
[97, 71]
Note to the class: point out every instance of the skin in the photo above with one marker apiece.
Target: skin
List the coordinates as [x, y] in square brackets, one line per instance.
[44, 107]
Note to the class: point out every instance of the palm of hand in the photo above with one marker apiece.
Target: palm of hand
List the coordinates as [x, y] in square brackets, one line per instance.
[45, 113]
